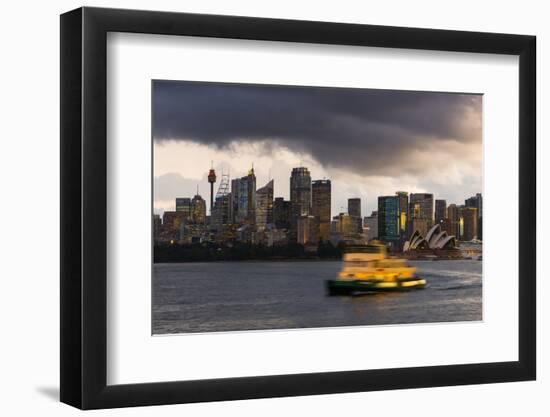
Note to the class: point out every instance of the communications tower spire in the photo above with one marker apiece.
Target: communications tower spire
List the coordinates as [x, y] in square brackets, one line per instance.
[211, 180]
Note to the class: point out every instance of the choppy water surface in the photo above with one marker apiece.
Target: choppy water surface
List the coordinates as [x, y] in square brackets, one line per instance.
[223, 296]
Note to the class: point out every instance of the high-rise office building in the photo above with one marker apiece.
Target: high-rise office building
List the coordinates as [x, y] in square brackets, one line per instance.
[264, 206]
[307, 230]
[354, 207]
[183, 205]
[300, 195]
[347, 226]
[281, 213]
[243, 199]
[452, 223]
[468, 223]
[403, 200]
[475, 201]
[354, 210]
[220, 214]
[440, 211]
[172, 222]
[371, 225]
[421, 208]
[321, 206]
[388, 219]
[198, 209]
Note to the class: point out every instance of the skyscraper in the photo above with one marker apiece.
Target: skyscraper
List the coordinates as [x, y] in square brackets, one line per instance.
[198, 209]
[354, 210]
[300, 195]
[475, 201]
[440, 211]
[421, 212]
[403, 200]
[281, 213]
[221, 213]
[243, 199]
[468, 223]
[321, 205]
[371, 224]
[307, 230]
[264, 206]
[388, 219]
[452, 224]
[354, 207]
[183, 205]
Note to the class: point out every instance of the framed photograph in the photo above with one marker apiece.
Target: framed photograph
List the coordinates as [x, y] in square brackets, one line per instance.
[258, 208]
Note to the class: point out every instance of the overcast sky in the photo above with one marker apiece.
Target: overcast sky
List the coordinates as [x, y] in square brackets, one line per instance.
[368, 142]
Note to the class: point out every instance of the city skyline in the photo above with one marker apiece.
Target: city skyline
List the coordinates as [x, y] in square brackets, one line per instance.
[368, 142]
[249, 212]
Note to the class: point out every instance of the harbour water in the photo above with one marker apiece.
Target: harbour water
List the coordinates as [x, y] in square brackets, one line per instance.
[232, 296]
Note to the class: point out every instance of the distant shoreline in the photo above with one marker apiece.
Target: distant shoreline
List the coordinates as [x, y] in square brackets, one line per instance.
[297, 260]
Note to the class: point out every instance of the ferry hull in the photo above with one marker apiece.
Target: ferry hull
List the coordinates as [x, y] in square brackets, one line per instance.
[350, 287]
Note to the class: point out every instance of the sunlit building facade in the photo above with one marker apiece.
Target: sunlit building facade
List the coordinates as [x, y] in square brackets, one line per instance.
[403, 201]
[307, 230]
[321, 206]
[468, 223]
[421, 208]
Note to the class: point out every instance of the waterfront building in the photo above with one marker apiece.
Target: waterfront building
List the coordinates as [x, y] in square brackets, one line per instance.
[171, 224]
[307, 230]
[275, 237]
[371, 226]
[264, 206]
[281, 213]
[421, 207]
[243, 199]
[321, 206]
[300, 196]
[468, 223]
[440, 211]
[388, 219]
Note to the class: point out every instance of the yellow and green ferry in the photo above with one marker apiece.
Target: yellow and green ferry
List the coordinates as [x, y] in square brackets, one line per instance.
[368, 268]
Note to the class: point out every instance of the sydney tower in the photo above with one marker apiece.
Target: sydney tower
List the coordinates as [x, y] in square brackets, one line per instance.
[211, 180]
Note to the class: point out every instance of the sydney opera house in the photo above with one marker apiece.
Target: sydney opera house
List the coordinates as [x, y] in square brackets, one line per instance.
[436, 242]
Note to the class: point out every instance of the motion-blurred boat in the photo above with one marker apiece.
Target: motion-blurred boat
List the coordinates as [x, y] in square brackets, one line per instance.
[367, 268]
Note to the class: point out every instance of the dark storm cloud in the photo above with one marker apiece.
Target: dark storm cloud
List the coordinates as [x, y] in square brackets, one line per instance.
[369, 131]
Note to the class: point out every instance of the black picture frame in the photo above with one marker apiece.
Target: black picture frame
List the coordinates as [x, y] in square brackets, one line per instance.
[84, 207]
